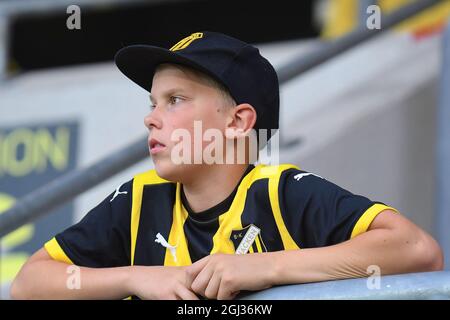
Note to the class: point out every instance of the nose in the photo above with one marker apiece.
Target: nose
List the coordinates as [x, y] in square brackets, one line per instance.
[152, 120]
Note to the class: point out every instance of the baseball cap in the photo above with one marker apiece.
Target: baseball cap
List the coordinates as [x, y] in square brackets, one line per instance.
[248, 76]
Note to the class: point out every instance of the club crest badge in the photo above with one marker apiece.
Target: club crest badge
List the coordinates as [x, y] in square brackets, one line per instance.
[246, 238]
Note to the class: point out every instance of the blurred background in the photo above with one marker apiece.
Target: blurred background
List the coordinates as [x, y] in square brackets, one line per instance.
[370, 119]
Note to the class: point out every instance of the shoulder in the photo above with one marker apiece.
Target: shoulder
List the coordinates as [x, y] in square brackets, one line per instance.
[262, 171]
[149, 186]
[300, 186]
[148, 177]
[298, 179]
[290, 177]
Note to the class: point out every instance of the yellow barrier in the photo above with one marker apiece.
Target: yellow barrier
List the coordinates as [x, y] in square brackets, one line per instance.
[341, 17]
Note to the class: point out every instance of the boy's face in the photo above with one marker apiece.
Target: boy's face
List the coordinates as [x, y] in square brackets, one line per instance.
[179, 98]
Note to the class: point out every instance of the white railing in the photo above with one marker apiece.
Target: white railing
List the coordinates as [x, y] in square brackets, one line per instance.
[412, 286]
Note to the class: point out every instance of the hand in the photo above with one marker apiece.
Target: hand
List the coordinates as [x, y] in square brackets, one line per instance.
[161, 283]
[223, 276]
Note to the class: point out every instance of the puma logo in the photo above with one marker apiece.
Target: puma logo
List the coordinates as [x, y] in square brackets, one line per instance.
[301, 175]
[173, 249]
[117, 193]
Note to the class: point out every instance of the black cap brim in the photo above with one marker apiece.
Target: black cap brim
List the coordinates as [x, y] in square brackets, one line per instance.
[139, 62]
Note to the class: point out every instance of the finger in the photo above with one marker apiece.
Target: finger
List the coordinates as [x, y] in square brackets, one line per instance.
[171, 296]
[212, 288]
[184, 293]
[194, 270]
[198, 266]
[225, 291]
[201, 281]
[234, 294]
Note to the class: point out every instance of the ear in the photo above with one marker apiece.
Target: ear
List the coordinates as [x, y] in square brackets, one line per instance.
[241, 120]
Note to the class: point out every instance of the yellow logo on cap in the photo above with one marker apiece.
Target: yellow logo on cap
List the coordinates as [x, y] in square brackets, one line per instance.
[183, 44]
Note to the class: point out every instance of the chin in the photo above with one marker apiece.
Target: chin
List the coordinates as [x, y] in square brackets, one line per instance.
[169, 171]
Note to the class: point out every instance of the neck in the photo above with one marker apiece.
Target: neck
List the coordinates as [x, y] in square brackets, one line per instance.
[216, 184]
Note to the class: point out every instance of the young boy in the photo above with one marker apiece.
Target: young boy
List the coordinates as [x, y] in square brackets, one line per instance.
[194, 228]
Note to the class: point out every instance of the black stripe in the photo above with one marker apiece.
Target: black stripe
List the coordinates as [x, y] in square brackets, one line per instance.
[199, 237]
[317, 212]
[156, 217]
[255, 248]
[258, 211]
[261, 242]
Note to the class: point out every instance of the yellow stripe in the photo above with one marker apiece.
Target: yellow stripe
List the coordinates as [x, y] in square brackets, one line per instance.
[288, 242]
[56, 252]
[342, 16]
[368, 216]
[433, 16]
[149, 177]
[231, 220]
[177, 236]
[258, 244]
[184, 43]
[179, 44]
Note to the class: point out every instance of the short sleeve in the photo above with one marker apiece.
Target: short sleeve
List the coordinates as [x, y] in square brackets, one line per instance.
[319, 213]
[102, 238]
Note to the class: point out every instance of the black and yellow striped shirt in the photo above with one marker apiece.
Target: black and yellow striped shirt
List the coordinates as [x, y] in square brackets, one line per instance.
[147, 221]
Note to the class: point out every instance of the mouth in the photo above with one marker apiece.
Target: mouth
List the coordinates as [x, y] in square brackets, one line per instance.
[155, 146]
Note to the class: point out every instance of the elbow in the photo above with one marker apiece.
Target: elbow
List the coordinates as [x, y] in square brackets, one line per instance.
[34, 274]
[428, 255]
[16, 291]
[20, 288]
[435, 261]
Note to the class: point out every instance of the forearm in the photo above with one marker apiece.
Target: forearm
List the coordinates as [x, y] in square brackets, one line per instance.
[391, 252]
[48, 279]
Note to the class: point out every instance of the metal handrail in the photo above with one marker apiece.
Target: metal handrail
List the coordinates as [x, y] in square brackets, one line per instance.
[328, 50]
[411, 286]
[41, 201]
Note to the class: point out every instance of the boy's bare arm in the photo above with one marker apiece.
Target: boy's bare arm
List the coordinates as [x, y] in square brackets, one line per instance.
[392, 243]
[44, 278]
